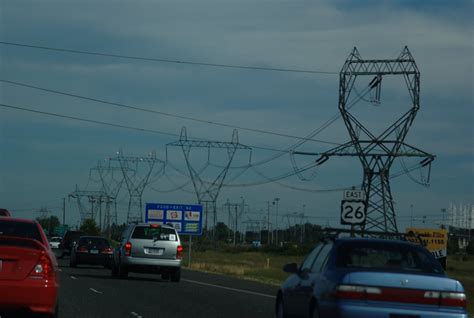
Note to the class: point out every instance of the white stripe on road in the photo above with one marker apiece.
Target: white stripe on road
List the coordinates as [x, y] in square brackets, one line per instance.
[95, 291]
[73, 277]
[135, 314]
[229, 288]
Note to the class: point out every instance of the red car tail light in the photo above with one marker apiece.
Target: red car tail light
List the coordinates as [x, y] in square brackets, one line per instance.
[107, 250]
[356, 292]
[44, 267]
[453, 299]
[128, 249]
[82, 249]
[414, 296]
[179, 252]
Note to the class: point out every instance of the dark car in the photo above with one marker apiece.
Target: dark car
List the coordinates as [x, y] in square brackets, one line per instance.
[5, 212]
[369, 278]
[91, 250]
[68, 241]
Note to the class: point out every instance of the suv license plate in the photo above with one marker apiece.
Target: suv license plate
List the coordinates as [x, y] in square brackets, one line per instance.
[94, 251]
[154, 251]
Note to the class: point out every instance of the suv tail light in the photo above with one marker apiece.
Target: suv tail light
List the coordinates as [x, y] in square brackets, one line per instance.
[128, 249]
[414, 296]
[44, 268]
[179, 252]
[82, 249]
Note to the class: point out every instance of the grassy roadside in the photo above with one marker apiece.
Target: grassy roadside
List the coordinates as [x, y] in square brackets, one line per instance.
[256, 266]
[267, 268]
[464, 272]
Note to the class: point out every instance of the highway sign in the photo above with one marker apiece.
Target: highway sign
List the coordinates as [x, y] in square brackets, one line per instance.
[185, 218]
[353, 195]
[353, 212]
[60, 230]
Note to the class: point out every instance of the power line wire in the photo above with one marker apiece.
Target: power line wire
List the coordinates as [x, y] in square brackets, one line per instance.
[147, 110]
[162, 60]
[25, 109]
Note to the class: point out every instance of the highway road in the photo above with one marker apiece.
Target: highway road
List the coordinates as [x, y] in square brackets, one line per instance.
[90, 292]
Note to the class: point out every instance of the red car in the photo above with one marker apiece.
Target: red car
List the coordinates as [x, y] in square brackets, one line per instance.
[5, 212]
[29, 272]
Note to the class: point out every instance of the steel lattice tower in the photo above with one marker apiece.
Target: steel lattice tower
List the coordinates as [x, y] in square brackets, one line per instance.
[111, 178]
[95, 198]
[378, 152]
[207, 193]
[136, 183]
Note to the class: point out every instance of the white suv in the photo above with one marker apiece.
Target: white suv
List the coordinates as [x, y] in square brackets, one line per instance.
[148, 248]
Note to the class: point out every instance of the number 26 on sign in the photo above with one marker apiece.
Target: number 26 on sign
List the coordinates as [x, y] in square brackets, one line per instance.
[353, 212]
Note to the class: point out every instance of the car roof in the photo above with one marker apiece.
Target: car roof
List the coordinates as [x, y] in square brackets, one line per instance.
[161, 225]
[373, 240]
[10, 219]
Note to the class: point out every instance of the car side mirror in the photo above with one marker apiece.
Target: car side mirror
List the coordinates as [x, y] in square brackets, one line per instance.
[290, 268]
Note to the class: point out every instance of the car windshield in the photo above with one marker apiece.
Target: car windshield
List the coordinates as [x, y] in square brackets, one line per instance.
[20, 229]
[92, 241]
[154, 233]
[389, 257]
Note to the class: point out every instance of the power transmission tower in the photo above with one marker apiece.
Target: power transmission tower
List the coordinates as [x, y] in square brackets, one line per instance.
[378, 152]
[136, 173]
[111, 178]
[95, 198]
[207, 193]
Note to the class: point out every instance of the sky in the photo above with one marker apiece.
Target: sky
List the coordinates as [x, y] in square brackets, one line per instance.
[43, 157]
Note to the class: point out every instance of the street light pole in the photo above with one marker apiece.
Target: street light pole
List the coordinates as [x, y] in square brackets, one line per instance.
[276, 220]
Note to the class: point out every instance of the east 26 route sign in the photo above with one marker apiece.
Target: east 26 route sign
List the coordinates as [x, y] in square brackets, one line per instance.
[353, 212]
[185, 218]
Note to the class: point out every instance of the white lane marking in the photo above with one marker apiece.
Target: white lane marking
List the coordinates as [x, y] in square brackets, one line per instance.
[229, 288]
[73, 277]
[95, 291]
[135, 314]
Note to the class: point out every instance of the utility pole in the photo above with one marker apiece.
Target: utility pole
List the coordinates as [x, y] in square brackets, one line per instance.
[64, 211]
[276, 219]
[236, 218]
[268, 222]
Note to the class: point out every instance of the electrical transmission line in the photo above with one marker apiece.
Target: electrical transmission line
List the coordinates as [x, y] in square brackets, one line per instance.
[161, 113]
[162, 60]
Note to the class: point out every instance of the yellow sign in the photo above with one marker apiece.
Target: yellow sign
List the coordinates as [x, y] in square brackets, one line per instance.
[435, 240]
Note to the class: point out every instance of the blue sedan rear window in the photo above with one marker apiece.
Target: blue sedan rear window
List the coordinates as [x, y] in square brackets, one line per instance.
[391, 257]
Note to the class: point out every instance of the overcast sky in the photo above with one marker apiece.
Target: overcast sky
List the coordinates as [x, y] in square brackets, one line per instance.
[43, 158]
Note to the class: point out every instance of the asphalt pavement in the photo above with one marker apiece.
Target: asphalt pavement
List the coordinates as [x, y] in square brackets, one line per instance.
[91, 292]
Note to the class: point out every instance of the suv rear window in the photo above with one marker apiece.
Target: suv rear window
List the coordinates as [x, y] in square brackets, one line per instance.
[20, 229]
[390, 257]
[154, 233]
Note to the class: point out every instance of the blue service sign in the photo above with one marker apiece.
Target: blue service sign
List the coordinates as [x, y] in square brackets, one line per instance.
[185, 218]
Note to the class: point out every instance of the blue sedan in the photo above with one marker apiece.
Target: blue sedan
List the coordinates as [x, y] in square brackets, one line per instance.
[369, 278]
